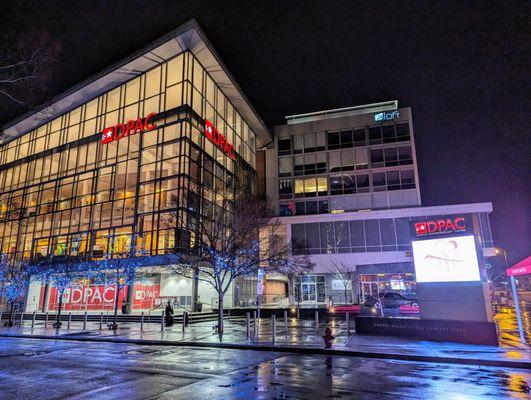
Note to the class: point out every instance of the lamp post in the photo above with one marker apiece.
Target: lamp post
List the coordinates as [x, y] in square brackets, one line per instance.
[515, 298]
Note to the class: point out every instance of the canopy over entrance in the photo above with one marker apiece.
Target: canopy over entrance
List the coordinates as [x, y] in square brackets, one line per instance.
[521, 268]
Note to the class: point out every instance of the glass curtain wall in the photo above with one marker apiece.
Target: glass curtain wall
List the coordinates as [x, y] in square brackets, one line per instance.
[65, 193]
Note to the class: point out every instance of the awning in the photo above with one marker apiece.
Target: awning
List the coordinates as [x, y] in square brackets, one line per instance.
[522, 268]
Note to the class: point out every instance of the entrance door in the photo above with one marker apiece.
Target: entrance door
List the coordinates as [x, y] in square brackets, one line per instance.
[309, 291]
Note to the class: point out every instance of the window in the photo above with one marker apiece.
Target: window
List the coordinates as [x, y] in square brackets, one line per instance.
[310, 164]
[388, 133]
[320, 141]
[404, 155]
[299, 188]
[372, 235]
[349, 184]
[323, 207]
[310, 187]
[285, 189]
[342, 236]
[375, 135]
[332, 139]
[378, 181]
[407, 179]
[347, 160]
[387, 233]
[362, 183]
[362, 159]
[377, 158]
[359, 137]
[298, 239]
[357, 236]
[393, 180]
[346, 139]
[298, 162]
[284, 146]
[334, 161]
[327, 238]
[311, 207]
[309, 142]
[336, 185]
[300, 208]
[297, 144]
[391, 157]
[322, 186]
[284, 166]
[312, 238]
[321, 163]
[402, 132]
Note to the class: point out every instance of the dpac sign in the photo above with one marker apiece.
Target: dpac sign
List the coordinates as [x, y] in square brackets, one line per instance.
[386, 116]
[218, 139]
[131, 127]
[443, 226]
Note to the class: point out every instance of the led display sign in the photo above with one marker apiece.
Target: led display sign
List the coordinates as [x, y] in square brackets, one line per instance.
[131, 127]
[218, 139]
[440, 226]
[386, 116]
[452, 259]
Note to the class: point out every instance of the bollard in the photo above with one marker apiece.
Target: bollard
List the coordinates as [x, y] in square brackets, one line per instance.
[46, 319]
[69, 320]
[32, 319]
[101, 321]
[298, 313]
[85, 321]
[1, 316]
[142, 322]
[247, 325]
[107, 318]
[162, 322]
[184, 320]
[347, 321]
[254, 324]
[21, 318]
[274, 327]
[149, 317]
[316, 320]
[286, 321]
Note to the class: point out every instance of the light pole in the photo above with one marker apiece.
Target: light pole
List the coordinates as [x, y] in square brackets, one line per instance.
[515, 298]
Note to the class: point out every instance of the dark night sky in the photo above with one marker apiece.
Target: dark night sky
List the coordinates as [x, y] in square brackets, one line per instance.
[461, 66]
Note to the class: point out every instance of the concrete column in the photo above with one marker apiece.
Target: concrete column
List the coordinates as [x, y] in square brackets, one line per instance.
[195, 287]
[130, 294]
[46, 299]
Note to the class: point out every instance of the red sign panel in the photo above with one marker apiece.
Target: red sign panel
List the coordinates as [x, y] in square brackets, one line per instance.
[218, 139]
[440, 226]
[101, 297]
[131, 127]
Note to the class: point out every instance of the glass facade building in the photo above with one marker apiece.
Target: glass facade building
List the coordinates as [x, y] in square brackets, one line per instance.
[68, 190]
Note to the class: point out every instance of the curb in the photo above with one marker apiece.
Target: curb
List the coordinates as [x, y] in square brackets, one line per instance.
[287, 349]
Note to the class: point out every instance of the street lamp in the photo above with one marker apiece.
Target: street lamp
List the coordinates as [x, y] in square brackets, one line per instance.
[515, 296]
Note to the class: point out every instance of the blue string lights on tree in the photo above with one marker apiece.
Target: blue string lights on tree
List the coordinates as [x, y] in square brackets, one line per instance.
[14, 280]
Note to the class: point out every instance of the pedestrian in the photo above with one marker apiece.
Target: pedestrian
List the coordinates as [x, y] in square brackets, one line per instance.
[168, 314]
[124, 307]
[328, 338]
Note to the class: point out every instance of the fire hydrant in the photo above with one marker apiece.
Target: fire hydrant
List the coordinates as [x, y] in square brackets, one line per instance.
[328, 338]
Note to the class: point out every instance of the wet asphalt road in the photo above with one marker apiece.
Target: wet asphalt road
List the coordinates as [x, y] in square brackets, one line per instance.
[46, 369]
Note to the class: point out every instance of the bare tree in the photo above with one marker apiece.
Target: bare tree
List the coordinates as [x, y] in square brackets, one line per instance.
[344, 272]
[25, 62]
[292, 270]
[243, 238]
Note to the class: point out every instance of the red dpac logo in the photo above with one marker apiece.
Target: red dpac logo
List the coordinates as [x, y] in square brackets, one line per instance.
[218, 139]
[131, 127]
[440, 226]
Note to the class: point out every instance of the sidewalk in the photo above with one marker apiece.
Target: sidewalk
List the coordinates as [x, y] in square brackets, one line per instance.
[301, 337]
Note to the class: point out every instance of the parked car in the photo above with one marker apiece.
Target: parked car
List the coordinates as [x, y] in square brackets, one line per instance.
[390, 300]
